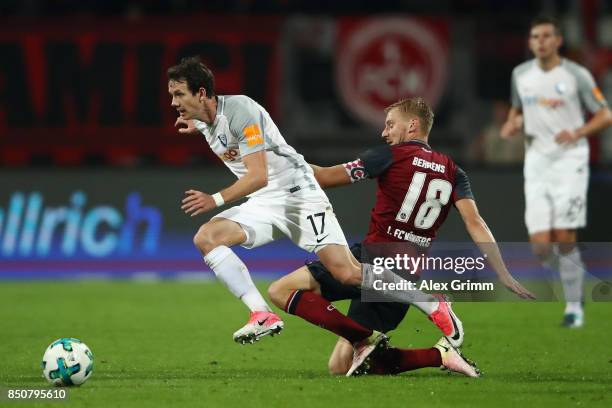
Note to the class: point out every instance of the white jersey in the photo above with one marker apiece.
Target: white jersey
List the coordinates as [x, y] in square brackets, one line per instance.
[553, 101]
[242, 127]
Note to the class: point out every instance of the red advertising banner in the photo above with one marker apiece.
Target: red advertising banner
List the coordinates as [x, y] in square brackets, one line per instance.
[74, 87]
[383, 59]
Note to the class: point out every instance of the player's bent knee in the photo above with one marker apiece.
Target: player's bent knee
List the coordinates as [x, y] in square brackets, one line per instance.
[566, 240]
[205, 239]
[345, 275]
[201, 242]
[278, 294]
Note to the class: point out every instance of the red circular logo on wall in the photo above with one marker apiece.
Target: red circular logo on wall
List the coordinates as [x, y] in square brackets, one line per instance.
[387, 59]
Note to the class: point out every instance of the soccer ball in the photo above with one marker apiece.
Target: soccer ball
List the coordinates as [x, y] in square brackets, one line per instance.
[67, 361]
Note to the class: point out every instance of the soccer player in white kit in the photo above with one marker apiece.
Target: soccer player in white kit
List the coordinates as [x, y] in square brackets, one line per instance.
[285, 200]
[549, 95]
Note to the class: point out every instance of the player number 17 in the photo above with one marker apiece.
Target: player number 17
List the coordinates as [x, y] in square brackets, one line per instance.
[312, 222]
[437, 196]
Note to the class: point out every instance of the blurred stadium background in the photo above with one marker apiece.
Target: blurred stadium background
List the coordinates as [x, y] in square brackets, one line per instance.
[92, 170]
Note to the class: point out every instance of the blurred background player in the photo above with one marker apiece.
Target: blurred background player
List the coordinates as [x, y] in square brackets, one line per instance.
[549, 94]
[416, 188]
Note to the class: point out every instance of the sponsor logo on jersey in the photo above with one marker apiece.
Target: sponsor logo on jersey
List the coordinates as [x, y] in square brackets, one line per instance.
[230, 155]
[551, 103]
[253, 135]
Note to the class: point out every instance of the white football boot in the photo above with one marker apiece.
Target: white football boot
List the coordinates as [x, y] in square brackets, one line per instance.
[453, 360]
[448, 322]
[363, 349]
[260, 324]
[573, 319]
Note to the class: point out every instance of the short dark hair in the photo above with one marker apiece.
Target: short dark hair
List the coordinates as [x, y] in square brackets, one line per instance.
[540, 20]
[416, 107]
[197, 75]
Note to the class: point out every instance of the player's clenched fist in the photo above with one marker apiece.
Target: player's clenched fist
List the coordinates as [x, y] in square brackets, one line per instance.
[185, 126]
[197, 202]
[567, 137]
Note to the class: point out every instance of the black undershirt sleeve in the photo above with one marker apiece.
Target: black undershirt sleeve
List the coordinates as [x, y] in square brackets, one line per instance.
[377, 160]
[462, 185]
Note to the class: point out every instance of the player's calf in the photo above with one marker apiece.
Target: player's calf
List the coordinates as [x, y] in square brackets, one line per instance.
[341, 357]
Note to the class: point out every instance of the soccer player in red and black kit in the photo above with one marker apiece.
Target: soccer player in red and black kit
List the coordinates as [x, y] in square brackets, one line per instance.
[416, 187]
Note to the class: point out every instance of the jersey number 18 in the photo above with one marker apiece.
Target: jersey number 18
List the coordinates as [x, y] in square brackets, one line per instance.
[437, 196]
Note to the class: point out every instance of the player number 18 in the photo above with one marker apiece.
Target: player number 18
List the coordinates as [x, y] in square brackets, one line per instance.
[437, 196]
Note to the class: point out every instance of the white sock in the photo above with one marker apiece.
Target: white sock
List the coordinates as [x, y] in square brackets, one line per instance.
[427, 307]
[552, 260]
[424, 301]
[234, 274]
[572, 269]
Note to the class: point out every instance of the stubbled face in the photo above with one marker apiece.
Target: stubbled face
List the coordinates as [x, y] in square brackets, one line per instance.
[544, 42]
[186, 104]
[398, 128]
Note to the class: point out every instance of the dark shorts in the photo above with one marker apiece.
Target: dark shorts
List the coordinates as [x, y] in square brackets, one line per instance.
[381, 316]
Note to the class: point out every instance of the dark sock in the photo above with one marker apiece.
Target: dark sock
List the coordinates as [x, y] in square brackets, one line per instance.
[395, 360]
[318, 311]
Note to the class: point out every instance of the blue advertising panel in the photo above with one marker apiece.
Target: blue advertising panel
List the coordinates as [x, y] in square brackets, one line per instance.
[65, 225]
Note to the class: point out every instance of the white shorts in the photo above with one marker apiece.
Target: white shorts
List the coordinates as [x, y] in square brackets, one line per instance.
[555, 191]
[305, 217]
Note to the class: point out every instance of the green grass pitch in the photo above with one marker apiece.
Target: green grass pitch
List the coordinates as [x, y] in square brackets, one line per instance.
[170, 343]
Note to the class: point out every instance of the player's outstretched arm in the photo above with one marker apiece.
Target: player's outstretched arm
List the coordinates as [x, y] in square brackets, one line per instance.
[482, 236]
[197, 202]
[328, 177]
[513, 124]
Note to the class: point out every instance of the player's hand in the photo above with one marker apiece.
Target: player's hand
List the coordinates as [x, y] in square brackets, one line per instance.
[185, 126]
[567, 137]
[197, 202]
[512, 285]
[512, 127]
